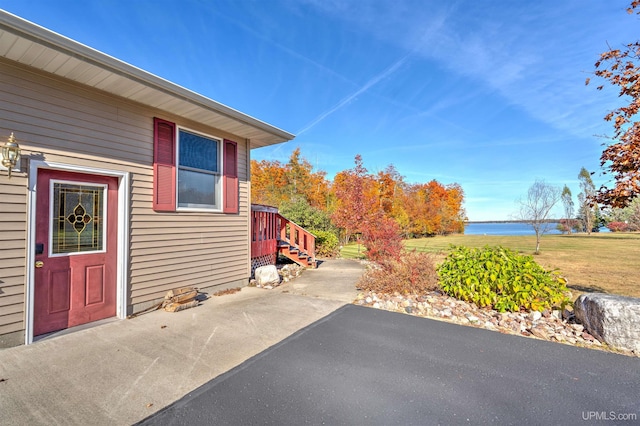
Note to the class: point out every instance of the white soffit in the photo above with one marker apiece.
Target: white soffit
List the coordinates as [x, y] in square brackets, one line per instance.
[30, 44]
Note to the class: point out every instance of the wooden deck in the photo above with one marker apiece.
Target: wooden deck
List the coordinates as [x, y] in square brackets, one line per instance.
[273, 233]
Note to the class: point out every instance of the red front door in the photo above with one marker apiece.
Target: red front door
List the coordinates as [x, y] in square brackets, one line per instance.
[76, 237]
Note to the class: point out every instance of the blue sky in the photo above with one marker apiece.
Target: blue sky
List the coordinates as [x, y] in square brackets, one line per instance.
[488, 94]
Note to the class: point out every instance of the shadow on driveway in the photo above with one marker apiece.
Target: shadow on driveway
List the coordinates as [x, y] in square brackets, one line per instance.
[365, 366]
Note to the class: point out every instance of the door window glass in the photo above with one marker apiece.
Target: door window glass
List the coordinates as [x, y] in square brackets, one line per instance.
[77, 218]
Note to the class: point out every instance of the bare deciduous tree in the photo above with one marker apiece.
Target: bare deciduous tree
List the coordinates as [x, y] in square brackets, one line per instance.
[536, 208]
[567, 203]
[586, 199]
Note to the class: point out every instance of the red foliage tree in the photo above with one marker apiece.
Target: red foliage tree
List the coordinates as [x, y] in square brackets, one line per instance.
[357, 197]
[621, 69]
[382, 239]
[618, 227]
[355, 203]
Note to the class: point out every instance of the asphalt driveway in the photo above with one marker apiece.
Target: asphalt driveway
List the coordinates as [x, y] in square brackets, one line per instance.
[365, 366]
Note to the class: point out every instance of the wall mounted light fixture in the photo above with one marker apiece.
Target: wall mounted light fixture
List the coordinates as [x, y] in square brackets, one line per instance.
[10, 154]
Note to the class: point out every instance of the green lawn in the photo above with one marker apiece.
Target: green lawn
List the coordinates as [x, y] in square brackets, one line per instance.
[603, 262]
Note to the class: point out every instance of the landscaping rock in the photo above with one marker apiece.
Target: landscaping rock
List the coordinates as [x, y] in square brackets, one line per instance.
[290, 271]
[267, 276]
[471, 318]
[539, 332]
[612, 319]
[567, 314]
[445, 308]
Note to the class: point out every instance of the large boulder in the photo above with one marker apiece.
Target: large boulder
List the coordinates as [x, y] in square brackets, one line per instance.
[267, 276]
[614, 320]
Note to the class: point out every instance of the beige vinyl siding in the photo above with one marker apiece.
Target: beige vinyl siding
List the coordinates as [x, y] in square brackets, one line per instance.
[60, 122]
[13, 210]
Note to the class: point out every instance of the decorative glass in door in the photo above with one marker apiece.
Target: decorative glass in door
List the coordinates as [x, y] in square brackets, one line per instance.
[78, 218]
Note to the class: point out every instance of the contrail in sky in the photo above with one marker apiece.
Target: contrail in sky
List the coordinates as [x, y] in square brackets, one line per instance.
[357, 93]
[280, 46]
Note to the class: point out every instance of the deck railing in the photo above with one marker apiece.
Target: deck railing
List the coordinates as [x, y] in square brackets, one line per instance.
[265, 230]
[297, 237]
[270, 230]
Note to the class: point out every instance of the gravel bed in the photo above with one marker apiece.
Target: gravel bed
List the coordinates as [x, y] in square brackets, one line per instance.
[555, 326]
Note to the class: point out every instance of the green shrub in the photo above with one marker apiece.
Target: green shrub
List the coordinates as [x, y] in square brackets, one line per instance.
[305, 215]
[327, 243]
[412, 273]
[502, 279]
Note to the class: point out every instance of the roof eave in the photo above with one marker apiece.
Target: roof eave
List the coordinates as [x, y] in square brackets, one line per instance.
[66, 46]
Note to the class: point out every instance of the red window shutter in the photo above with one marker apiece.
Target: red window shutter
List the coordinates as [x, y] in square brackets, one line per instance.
[164, 165]
[230, 178]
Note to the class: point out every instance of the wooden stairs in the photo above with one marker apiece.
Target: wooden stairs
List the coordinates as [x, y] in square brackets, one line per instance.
[300, 257]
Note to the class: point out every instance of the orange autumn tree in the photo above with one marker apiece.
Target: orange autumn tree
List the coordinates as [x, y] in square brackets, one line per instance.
[390, 189]
[454, 215]
[434, 209]
[268, 182]
[304, 183]
[418, 209]
[357, 200]
[425, 208]
[436, 196]
[274, 183]
[415, 203]
[388, 183]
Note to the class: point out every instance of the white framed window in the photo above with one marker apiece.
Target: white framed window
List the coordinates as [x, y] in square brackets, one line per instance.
[199, 164]
[193, 171]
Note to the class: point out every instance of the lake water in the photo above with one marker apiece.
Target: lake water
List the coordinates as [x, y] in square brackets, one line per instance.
[508, 228]
[499, 228]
